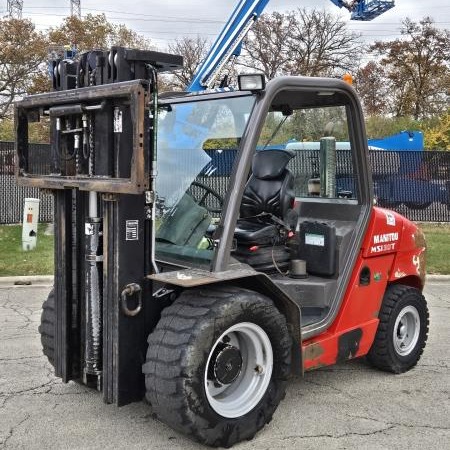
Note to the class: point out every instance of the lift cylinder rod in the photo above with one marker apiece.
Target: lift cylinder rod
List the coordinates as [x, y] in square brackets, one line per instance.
[93, 342]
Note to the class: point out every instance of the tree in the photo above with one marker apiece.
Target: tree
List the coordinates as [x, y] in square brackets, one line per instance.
[266, 47]
[193, 51]
[321, 45]
[95, 32]
[417, 67]
[370, 82]
[22, 53]
[302, 42]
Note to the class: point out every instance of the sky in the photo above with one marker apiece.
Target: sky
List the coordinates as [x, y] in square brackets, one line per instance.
[166, 20]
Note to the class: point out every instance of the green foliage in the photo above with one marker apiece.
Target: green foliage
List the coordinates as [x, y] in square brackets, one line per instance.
[6, 130]
[38, 132]
[14, 261]
[437, 134]
[436, 129]
[382, 126]
[438, 247]
[308, 125]
[221, 144]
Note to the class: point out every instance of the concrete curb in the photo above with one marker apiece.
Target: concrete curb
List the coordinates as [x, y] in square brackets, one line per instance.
[27, 280]
[433, 277]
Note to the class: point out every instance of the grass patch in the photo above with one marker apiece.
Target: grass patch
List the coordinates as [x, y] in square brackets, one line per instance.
[438, 247]
[14, 261]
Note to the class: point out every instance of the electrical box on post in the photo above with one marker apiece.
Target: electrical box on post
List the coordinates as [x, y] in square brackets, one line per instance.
[30, 223]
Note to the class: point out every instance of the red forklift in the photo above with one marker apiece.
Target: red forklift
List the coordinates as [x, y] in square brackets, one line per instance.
[200, 263]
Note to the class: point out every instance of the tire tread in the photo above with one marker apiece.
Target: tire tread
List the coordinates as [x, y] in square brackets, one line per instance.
[168, 378]
[47, 327]
[380, 354]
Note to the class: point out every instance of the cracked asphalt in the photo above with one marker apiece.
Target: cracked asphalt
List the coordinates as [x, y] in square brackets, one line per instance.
[343, 407]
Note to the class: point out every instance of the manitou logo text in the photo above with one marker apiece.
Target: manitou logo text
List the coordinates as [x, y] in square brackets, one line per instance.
[386, 242]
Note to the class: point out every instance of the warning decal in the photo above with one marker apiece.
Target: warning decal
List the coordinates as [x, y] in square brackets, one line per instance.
[132, 227]
[315, 239]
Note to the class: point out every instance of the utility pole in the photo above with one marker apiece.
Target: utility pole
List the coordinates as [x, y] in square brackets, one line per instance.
[14, 8]
[75, 8]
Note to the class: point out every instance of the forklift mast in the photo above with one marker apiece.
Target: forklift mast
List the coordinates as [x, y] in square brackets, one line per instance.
[101, 176]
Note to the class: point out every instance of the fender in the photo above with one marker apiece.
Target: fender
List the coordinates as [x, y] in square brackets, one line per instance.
[409, 263]
[247, 278]
[390, 233]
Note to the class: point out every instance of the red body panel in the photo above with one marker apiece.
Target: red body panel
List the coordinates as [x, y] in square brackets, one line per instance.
[393, 251]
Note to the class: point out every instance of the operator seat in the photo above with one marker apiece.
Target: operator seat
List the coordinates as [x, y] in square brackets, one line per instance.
[266, 212]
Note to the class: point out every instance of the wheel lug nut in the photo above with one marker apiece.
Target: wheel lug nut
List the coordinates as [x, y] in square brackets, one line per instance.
[259, 369]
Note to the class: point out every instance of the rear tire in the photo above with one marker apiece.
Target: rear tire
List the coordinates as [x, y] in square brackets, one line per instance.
[47, 327]
[402, 332]
[217, 364]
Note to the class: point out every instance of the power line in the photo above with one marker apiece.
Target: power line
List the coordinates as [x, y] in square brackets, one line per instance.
[142, 19]
[370, 33]
[167, 19]
[155, 17]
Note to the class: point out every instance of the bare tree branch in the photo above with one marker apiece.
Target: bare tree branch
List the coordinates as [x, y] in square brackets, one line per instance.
[302, 42]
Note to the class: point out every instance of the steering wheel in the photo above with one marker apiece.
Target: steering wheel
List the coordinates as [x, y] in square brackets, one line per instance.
[201, 197]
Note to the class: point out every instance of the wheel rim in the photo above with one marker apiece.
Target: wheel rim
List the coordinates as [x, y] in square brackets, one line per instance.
[406, 330]
[238, 370]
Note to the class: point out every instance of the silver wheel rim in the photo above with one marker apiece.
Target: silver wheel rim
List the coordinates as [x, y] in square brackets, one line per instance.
[406, 330]
[247, 389]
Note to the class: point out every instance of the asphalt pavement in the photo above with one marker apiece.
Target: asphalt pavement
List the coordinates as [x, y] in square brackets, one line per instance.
[349, 406]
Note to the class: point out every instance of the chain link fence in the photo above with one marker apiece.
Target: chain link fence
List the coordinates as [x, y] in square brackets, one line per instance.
[12, 197]
[416, 184]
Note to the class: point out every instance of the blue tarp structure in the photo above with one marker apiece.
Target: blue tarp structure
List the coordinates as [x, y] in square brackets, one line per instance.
[403, 141]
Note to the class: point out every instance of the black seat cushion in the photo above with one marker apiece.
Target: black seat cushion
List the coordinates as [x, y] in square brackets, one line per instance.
[269, 191]
[252, 232]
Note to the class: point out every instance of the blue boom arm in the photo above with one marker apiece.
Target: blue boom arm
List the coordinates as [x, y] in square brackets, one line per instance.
[228, 43]
[230, 39]
[365, 9]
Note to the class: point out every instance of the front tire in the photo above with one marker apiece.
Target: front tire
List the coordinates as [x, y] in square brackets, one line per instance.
[402, 332]
[47, 327]
[217, 364]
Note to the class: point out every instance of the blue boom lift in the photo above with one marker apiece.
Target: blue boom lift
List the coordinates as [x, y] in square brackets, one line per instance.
[229, 42]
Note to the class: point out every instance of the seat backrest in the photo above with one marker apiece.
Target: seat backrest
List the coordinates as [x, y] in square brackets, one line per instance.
[270, 188]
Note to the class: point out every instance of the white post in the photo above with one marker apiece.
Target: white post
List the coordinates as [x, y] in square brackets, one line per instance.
[30, 223]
